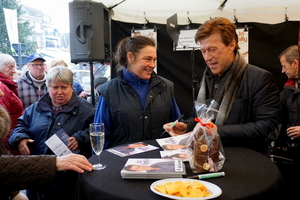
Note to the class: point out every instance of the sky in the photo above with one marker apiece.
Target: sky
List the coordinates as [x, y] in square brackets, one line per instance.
[58, 10]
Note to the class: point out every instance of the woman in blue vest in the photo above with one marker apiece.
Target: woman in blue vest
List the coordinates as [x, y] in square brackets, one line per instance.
[136, 104]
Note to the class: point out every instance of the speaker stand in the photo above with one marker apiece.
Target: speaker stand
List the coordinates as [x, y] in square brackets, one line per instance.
[92, 82]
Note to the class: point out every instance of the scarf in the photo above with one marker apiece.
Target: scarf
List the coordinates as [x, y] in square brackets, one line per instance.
[39, 82]
[11, 84]
[230, 87]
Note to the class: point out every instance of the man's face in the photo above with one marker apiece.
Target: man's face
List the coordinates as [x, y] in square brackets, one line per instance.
[216, 55]
[290, 70]
[37, 69]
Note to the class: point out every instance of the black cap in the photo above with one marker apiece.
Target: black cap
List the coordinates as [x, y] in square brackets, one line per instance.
[99, 81]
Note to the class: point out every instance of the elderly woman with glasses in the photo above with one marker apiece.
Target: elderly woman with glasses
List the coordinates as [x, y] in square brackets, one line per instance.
[10, 100]
[58, 111]
[31, 85]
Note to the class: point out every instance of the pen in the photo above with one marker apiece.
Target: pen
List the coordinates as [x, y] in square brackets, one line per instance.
[210, 175]
[173, 124]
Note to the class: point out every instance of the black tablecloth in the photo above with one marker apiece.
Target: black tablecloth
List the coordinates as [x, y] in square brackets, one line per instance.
[248, 175]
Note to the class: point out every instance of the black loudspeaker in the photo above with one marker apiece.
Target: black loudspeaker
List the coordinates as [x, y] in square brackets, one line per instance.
[89, 31]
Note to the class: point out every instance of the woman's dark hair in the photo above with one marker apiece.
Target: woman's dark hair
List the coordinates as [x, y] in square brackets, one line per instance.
[133, 45]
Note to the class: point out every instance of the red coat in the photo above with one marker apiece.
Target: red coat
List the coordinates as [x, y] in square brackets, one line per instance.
[10, 102]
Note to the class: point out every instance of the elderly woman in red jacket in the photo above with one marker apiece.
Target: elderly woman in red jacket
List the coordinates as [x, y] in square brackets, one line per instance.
[10, 101]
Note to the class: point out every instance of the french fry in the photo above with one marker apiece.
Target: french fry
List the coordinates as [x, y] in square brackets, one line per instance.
[183, 189]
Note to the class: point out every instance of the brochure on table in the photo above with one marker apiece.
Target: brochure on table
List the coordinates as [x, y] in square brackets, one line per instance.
[131, 149]
[153, 168]
[175, 147]
[175, 141]
[182, 154]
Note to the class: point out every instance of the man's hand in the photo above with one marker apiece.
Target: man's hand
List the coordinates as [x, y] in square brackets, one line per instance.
[22, 146]
[293, 132]
[179, 128]
[73, 162]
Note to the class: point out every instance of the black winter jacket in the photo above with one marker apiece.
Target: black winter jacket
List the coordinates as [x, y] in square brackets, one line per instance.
[290, 103]
[255, 113]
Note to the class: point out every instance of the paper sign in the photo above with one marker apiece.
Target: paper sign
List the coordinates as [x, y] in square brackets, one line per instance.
[57, 146]
[58, 143]
[65, 138]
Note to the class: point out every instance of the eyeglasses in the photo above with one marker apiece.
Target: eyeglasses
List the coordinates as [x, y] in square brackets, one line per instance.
[37, 64]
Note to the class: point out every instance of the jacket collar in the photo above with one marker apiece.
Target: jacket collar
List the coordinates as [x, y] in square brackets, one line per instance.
[12, 85]
[45, 103]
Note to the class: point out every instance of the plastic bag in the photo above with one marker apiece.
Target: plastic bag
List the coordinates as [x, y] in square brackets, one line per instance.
[205, 146]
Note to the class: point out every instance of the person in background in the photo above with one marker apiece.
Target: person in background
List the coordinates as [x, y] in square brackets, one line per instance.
[248, 97]
[76, 86]
[31, 85]
[17, 75]
[135, 105]
[97, 82]
[58, 110]
[10, 100]
[290, 101]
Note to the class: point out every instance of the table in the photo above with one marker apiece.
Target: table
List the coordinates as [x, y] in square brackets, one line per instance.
[248, 175]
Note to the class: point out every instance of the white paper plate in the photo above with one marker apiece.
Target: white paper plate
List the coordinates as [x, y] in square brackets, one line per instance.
[212, 188]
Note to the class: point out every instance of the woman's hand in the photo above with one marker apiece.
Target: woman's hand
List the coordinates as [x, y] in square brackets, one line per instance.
[22, 146]
[74, 162]
[73, 144]
[83, 94]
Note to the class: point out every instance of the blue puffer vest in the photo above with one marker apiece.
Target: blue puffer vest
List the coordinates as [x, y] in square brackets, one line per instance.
[130, 121]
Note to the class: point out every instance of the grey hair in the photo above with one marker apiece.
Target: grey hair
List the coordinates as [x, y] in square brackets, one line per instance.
[6, 59]
[291, 53]
[61, 74]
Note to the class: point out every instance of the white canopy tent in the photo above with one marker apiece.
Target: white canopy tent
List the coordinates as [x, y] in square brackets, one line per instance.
[198, 11]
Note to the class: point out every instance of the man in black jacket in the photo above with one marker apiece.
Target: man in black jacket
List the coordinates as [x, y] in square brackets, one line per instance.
[290, 101]
[248, 97]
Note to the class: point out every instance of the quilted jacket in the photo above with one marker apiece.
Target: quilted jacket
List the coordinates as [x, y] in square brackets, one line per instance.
[21, 172]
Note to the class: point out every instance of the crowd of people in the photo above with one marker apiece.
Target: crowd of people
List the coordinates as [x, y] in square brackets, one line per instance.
[139, 105]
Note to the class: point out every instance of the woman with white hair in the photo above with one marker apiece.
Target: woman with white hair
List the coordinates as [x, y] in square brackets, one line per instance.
[10, 101]
[60, 109]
